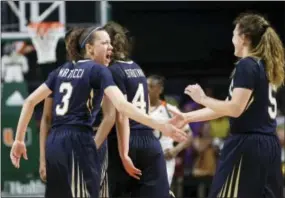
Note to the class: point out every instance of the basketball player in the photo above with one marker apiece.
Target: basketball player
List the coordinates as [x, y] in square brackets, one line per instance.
[250, 161]
[46, 125]
[159, 110]
[131, 142]
[106, 124]
[72, 166]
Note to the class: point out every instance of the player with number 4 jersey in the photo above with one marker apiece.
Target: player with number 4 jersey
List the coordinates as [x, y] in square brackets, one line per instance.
[144, 149]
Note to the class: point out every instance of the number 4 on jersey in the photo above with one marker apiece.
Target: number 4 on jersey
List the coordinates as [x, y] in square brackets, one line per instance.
[139, 99]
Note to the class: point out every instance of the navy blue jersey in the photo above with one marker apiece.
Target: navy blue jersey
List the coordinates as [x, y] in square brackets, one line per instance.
[131, 80]
[261, 110]
[74, 87]
[97, 113]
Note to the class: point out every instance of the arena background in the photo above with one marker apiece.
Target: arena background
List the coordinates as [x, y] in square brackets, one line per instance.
[186, 42]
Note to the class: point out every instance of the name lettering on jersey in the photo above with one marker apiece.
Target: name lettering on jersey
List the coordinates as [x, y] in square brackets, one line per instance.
[74, 73]
[134, 73]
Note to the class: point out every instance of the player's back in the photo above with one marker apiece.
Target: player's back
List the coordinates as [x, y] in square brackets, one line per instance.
[131, 80]
[73, 94]
[70, 144]
[261, 110]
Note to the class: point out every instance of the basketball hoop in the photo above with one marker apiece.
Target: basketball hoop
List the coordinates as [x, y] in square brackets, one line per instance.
[45, 36]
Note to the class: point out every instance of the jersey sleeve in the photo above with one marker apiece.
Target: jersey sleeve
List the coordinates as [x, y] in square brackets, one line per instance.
[101, 77]
[119, 78]
[246, 74]
[50, 82]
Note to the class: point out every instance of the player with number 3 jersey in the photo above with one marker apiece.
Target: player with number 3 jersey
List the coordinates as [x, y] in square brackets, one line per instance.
[72, 164]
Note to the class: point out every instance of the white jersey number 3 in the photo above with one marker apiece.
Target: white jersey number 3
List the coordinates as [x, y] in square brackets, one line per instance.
[62, 108]
[138, 100]
[272, 109]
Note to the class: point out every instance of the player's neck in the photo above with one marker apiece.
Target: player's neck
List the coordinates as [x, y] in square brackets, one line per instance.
[245, 52]
[155, 103]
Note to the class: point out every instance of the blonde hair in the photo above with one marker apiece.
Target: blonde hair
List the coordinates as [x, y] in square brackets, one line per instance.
[265, 45]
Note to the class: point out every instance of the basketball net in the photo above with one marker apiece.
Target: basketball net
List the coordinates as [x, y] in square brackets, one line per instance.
[45, 36]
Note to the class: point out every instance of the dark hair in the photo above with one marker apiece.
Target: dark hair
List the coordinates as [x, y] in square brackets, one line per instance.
[67, 34]
[265, 44]
[160, 79]
[119, 40]
[77, 39]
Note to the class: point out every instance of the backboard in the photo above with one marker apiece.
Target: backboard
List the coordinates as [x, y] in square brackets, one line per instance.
[16, 15]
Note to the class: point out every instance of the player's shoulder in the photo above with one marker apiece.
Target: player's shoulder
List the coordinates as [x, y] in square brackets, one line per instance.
[90, 63]
[249, 65]
[124, 64]
[249, 62]
[59, 68]
[117, 67]
[94, 66]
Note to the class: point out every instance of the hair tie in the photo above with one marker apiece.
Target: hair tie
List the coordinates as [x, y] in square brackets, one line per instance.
[86, 38]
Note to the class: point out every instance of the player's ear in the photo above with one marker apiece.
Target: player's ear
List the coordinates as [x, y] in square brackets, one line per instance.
[245, 40]
[89, 49]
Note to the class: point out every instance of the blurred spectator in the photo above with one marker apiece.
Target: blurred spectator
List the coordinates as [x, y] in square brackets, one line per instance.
[205, 162]
[220, 127]
[199, 159]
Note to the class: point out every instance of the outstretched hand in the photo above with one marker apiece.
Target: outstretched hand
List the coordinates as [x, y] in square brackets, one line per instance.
[173, 132]
[195, 92]
[17, 151]
[178, 120]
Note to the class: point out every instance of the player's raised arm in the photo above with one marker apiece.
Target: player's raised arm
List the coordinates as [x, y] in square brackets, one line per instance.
[132, 112]
[214, 108]
[241, 90]
[104, 80]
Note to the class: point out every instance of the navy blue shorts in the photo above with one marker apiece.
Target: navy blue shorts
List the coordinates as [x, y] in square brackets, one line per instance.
[72, 163]
[249, 167]
[147, 155]
[103, 159]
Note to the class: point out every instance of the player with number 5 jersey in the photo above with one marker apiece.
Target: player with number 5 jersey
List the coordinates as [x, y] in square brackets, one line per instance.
[72, 164]
[250, 162]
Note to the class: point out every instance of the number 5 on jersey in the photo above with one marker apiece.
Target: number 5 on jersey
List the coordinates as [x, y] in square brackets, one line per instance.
[272, 108]
[139, 99]
[66, 88]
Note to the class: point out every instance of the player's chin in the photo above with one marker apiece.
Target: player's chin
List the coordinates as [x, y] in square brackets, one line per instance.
[237, 53]
[107, 61]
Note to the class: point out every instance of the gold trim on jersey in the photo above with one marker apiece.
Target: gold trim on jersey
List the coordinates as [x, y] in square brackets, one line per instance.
[89, 102]
[231, 186]
[249, 103]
